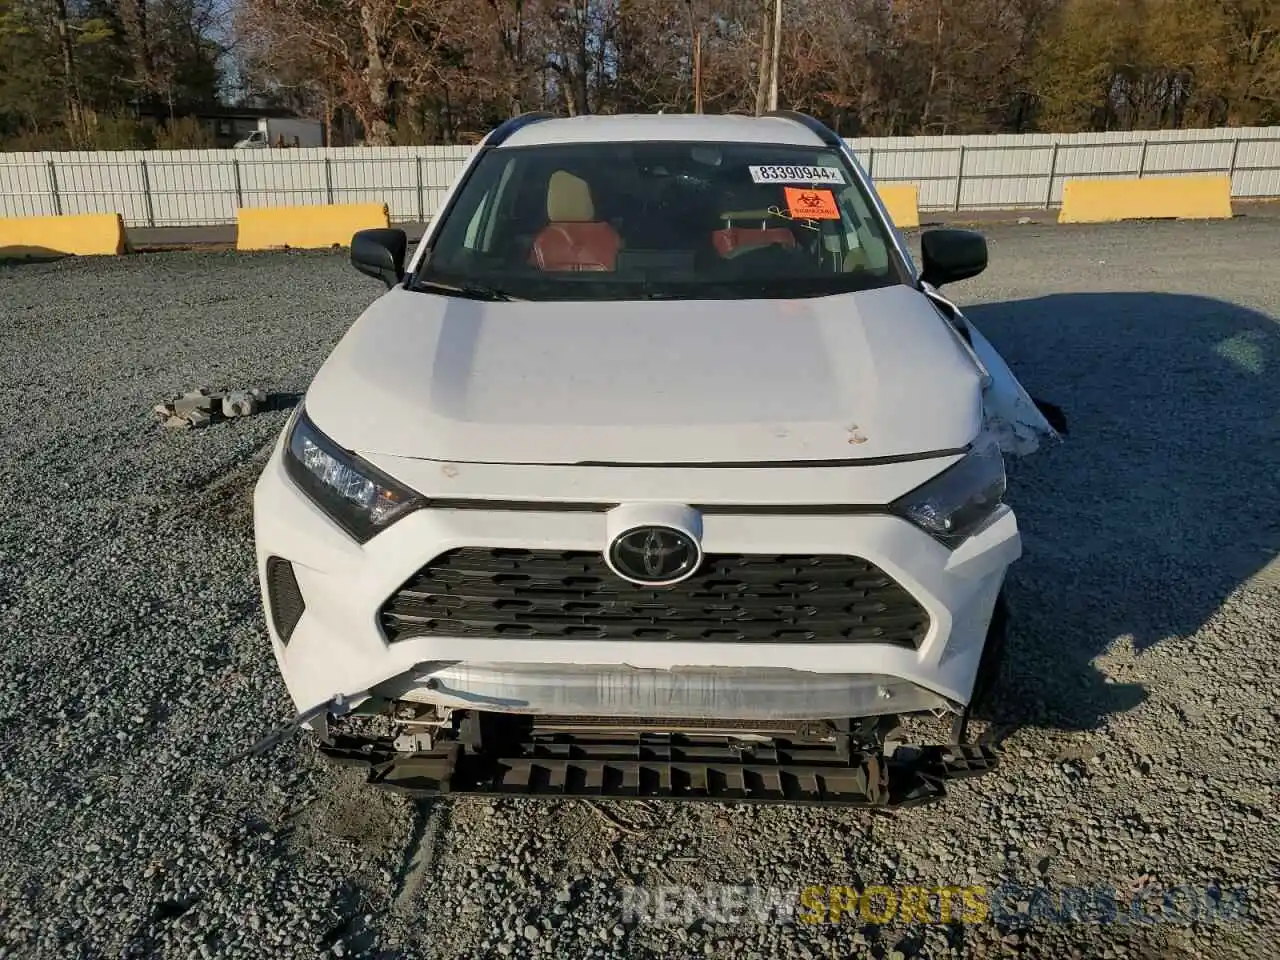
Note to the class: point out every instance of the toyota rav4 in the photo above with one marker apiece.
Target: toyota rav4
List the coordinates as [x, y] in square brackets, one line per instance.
[659, 470]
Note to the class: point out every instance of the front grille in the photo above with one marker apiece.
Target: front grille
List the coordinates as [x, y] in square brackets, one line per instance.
[572, 594]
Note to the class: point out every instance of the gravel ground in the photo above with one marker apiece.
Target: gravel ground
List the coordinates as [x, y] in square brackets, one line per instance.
[1139, 709]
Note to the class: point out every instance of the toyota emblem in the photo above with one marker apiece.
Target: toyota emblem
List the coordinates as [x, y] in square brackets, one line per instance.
[654, 556]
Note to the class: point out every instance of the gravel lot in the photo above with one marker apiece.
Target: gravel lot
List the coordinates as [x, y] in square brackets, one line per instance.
[1139, 717]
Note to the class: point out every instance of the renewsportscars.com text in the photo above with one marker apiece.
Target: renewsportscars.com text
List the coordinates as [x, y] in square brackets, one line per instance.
[1009, 904]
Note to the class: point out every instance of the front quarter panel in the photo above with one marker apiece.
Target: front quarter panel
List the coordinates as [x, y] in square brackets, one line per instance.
[1009, 413]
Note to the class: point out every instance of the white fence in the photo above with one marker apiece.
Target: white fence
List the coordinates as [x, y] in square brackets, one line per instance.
[167, 188]
[162, 188]
[1008, 171]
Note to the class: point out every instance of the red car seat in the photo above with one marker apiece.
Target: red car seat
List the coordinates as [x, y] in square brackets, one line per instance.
[573, 238]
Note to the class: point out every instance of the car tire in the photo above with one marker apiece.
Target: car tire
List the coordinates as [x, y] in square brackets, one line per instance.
[993, 654]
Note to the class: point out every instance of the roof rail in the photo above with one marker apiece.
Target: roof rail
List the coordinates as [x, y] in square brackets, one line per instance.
[508, 127]
[825, 133]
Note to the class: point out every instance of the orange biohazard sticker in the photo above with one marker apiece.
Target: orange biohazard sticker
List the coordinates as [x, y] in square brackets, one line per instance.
[805, 204]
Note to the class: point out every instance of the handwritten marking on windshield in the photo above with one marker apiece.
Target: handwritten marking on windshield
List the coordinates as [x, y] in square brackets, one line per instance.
[806, 223]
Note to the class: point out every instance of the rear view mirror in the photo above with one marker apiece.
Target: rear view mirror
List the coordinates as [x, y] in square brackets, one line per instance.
[380, 253]
[951, 255]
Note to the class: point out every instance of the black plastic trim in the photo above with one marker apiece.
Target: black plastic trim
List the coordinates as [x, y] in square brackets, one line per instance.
[775, 464]
[523, 506]
[731, 509]
[667, 767]
[724, 464]
[542, 594]
[825, 133]
[284, 597]
[503, 131]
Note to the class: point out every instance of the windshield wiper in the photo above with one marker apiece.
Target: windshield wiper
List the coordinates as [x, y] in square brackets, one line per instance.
[470, 291]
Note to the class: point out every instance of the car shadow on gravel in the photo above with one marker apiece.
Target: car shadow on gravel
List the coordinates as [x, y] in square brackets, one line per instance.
[1161, 503]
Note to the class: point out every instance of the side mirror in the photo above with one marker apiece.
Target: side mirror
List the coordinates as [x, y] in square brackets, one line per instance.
[380, 253]
[951, 255]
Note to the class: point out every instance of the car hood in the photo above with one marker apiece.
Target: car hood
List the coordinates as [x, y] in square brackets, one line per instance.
[856, 376]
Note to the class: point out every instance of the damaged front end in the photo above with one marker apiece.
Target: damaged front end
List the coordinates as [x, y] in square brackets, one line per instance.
[833, 763]
[1011, 416]
[485, 729]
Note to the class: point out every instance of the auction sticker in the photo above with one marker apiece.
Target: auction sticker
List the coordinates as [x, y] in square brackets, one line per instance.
[811, 204]
[780, 174]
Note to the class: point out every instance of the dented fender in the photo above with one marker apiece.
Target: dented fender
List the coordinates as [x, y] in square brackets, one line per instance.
[1009, 413]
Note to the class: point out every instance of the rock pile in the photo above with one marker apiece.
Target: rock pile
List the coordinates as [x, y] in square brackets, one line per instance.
[201, 407]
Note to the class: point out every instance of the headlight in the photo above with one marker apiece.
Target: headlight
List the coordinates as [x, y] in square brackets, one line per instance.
[360, 498]
[959, 500]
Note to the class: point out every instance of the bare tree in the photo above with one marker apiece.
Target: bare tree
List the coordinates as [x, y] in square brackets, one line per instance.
[70, 86]
[450, 69]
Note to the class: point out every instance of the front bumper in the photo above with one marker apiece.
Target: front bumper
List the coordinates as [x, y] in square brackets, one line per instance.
[338, 646]
[598, 690]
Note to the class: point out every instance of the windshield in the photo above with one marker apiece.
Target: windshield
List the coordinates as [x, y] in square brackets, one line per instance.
[656, 220]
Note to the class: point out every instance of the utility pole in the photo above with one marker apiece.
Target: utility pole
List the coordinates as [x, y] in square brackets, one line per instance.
[766, 44]
[773, 64]
[696, 66]
[697, 72]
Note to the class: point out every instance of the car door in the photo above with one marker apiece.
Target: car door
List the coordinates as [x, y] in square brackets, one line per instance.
[1010, 414]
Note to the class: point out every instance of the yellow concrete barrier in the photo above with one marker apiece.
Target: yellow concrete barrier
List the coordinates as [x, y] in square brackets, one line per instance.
[903, 204]
[86, 234]
[313, 227]
[1103, 201]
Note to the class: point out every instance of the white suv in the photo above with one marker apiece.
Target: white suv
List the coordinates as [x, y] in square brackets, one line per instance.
[660, 470]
